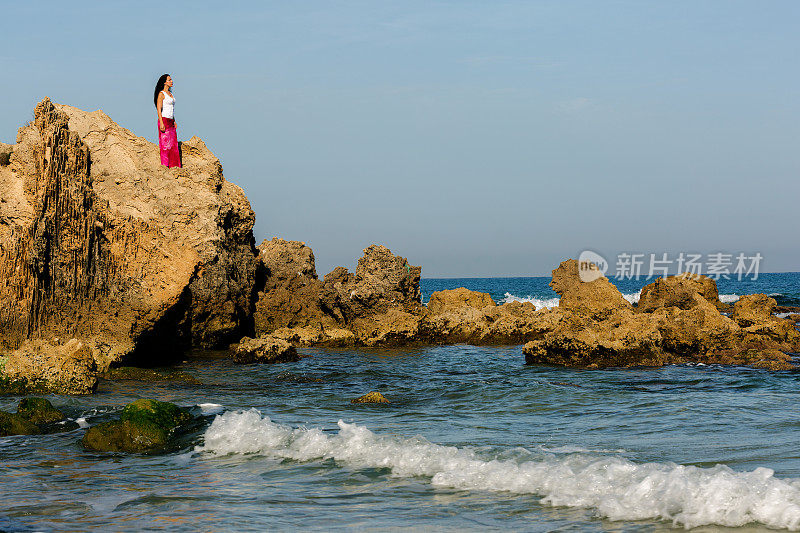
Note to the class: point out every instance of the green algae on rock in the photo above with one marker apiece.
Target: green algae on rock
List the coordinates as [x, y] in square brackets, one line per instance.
[371, 397]
[143, 426]
[38, 411]
[11, 424]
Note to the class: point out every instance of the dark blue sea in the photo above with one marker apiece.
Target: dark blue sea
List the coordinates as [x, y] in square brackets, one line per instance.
[473, 440]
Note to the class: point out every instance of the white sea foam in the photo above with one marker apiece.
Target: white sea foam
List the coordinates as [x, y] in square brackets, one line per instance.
[539, 303]
[613, 487]
[82, 423]
[632, 297]
[208, 409]
[547, 303]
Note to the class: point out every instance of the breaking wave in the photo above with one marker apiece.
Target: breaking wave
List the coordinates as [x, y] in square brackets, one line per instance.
[614, 487]
[633, 297]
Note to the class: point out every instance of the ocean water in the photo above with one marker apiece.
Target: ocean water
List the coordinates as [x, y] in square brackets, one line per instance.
[473, 440]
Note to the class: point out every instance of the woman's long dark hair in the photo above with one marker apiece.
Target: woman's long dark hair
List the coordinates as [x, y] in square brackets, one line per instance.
[159, 87]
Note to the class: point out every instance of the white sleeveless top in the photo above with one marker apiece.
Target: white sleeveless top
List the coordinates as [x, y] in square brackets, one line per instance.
[168, 106]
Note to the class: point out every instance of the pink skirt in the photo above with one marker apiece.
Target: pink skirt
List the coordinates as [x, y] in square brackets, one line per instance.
[168, 143]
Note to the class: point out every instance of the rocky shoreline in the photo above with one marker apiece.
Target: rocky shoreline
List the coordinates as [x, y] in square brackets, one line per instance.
[109, 259]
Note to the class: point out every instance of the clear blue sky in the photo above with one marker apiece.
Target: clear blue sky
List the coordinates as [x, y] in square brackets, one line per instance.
[476, 138]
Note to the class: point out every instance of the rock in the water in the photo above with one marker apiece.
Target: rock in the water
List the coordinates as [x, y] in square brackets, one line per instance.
[265, 349]
[456, 299]
[143, 426]
[130, 373]
[519, 322]
[677, 291]
[392, 328]
[11, 424]
[382, 281]
[53, 366]
[289, 297]
[597, 299]
[753, 312]
[694, 332]
[378, 305]
[753, 309]
[371, 397]
[674, 324]
[311, 336]
[38, 411]
[100, 242]
[622, 339]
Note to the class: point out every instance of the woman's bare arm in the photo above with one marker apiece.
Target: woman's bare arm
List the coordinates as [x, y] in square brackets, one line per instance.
[158, 108]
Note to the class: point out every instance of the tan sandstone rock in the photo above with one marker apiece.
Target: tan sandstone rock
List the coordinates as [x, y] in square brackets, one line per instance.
[623, 339]
[316, 336]
[598, 299]
[382, 281]
[100, 242]
[265, 349]
[392, 328]
[698, 330]
[5, 154]
[753, 309]
[753, 312]
[676, 324]
[53, 366]
[677, 291]
[456, 299]
[290, 294]
[371, 397]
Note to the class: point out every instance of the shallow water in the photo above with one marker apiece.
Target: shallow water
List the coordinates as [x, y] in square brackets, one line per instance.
[473, 439]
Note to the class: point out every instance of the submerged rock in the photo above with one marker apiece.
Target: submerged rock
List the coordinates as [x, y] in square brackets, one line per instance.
[38, 411]
[11, 424]
[101, 243]
[371, 397]
[265, 349]
[129, 373]
[392, 328]
[316, 336]
[143, 426]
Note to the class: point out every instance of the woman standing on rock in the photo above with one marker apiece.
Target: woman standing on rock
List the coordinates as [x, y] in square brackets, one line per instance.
[167, 135]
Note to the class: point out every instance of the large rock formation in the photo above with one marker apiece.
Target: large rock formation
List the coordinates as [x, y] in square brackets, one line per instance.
[382, 281]
[289, 297]
[101, 243]
[677, 291]
[677, 321]
[597, 298]
[265, 349]
[52, 366]
[378, 305]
